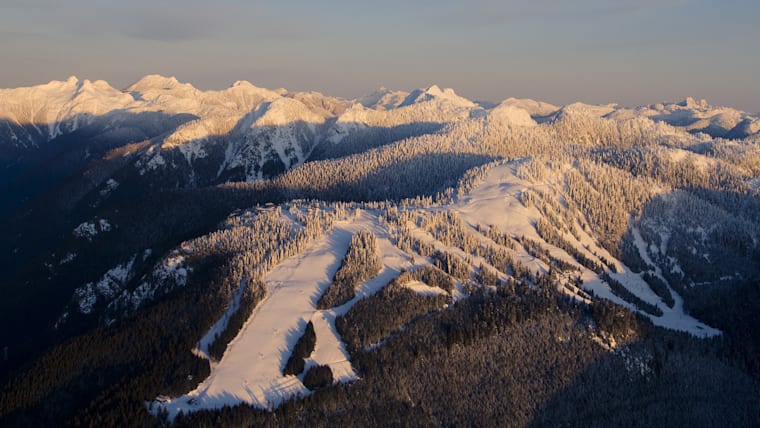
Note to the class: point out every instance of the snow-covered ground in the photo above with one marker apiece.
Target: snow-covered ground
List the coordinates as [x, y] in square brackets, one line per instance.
[90, 229]
[495, 202]
[251, 369]
[424, 289]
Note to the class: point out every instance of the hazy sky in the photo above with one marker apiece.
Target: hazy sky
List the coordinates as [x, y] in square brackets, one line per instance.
[632, 52]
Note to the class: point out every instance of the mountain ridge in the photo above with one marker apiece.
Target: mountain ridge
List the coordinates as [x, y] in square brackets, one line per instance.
[58, 101]
[169, 245]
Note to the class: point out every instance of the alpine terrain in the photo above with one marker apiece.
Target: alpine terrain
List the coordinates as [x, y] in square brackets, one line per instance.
[256, 257]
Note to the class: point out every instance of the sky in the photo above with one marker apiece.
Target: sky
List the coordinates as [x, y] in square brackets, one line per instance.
[629, 52]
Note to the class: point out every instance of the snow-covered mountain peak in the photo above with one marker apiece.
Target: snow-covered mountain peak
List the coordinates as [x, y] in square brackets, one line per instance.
[69, 82]
[533, 107]
[690, 102]
[383, 99]
[155, 81]
[98, 88]
[285, 111]
[57, 108]
[436, 90]
[248, 87]
[449, 94]
[511, 114]
[168, 94]
[51, 86]
[242, 83]
[241, 95]
[319, 103]
[268, 131]
[435, 93]
[580, 109]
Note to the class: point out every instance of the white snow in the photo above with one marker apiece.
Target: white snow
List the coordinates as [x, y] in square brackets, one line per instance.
[59, 107]
[696, 160]
[387, 109]
[106, 288]
[105, 225]
[495, 202]
[534, 108]
[424, 289]
[383, 99]
[69, 257]
[85, 230]
[172, 267]
[155, 162]
[511, 114]
[168, 273]
[35, 115]
[581, 109]
[251, 369]
[435, 93]
[109, 187]
[285, 128]
[90, 229]
[86, 297]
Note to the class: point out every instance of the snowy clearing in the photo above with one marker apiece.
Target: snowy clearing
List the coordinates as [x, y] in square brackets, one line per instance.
[251, 369]
[424, 289]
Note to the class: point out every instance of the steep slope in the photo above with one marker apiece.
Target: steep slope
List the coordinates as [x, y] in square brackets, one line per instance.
[35, 115]
[274, 138]
[384, 117]
[49, 132]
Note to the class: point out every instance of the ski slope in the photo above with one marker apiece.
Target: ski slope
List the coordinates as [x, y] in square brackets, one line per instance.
[251, 369]
[496, 202]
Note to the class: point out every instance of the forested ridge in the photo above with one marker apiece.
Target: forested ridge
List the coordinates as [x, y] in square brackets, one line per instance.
[514, 338]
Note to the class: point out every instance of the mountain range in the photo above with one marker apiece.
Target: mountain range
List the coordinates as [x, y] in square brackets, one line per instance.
[247, 133]
[247, 256]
